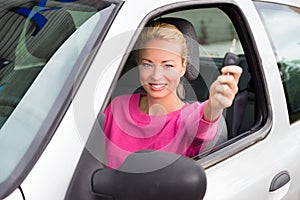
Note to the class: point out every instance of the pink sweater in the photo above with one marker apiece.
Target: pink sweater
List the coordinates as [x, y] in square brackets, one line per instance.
[128, 130]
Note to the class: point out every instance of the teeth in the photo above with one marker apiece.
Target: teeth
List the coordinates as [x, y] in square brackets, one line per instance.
[157, 86]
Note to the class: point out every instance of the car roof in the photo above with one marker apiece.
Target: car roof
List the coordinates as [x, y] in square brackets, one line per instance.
[289, 2]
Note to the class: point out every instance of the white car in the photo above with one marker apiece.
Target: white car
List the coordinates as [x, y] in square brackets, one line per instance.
[62, 61]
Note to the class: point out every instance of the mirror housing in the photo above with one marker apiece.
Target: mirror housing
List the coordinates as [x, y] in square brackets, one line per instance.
[151, 175]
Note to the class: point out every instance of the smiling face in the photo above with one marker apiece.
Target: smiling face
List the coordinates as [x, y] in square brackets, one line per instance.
[160, 67]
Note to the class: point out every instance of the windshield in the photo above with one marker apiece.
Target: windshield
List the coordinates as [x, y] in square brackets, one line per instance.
[43, 44]
[282, 23]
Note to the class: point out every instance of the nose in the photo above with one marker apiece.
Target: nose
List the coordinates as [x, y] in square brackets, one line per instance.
[157, 72]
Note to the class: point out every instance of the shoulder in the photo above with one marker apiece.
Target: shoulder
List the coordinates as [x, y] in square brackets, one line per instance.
[122, 98]
[125, 100]
[122, 103]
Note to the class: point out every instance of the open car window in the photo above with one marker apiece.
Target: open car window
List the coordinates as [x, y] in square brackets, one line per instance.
[215, 34]
[216, 28]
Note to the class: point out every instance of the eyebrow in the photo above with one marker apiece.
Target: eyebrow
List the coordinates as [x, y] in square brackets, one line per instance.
[165, 61]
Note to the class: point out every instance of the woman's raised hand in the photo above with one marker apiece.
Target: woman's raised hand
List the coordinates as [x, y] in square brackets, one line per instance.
[222, 92]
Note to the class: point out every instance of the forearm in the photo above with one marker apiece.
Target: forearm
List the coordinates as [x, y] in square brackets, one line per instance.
[211, 114]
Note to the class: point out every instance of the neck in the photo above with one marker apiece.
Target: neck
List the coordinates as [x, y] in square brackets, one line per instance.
[157, 106]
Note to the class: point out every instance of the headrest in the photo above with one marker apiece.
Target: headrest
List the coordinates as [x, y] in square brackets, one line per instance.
[188, 30]
[36, 46]
[58, 27]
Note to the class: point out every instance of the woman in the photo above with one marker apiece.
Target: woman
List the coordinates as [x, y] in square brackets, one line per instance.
[159, 119]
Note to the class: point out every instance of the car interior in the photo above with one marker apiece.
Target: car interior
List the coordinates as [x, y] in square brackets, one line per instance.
[26, 46]
[31, 32]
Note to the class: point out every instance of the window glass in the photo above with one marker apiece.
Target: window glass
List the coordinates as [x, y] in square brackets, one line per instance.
[283, 26]
[39, 48]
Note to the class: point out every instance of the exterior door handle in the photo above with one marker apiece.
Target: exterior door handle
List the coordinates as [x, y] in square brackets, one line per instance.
[279, 186]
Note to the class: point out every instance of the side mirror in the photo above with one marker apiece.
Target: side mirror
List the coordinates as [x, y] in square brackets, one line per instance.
[151, 175]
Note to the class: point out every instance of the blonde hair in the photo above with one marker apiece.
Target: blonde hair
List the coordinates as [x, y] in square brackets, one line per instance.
[166, 32]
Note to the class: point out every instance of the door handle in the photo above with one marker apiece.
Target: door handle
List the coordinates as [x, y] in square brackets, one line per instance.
[280, 185]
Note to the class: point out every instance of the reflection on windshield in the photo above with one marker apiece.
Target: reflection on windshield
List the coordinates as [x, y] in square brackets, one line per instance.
[41, 42]
[283, 26]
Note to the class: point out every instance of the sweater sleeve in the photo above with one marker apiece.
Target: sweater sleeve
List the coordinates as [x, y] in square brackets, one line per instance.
[198, 128]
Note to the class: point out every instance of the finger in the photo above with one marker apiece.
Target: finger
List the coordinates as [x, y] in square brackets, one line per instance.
[225, 91]
[229, 81]
[223, 101]
[233, 70]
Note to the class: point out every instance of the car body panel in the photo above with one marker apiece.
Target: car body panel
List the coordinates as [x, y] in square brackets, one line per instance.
[269, 160]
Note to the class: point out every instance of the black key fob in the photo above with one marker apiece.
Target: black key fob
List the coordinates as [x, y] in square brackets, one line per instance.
[231, 59]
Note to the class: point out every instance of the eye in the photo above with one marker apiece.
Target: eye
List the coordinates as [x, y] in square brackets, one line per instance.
[168, 66]
[146, 65]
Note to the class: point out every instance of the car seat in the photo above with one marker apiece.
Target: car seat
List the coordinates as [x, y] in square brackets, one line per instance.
[26, 46]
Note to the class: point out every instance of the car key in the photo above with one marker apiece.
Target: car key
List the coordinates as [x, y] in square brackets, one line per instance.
[230, 57]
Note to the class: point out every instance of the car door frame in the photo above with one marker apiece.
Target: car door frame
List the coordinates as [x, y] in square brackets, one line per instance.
[233, 156]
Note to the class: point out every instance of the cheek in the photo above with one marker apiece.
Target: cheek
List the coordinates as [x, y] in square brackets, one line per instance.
[173, 74]
[144, 76]
[170, 75]
[173, 78]
[178, 71]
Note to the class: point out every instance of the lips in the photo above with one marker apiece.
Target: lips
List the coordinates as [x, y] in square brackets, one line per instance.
[157, 86]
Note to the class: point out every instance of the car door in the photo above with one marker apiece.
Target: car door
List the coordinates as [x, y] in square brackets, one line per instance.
[262, 146]
[254, 171]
